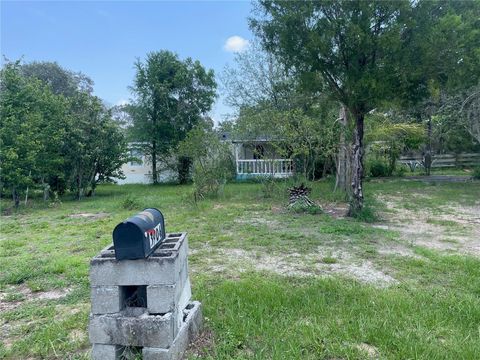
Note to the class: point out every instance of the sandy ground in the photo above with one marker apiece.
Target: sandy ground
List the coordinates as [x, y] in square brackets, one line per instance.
[453, 230]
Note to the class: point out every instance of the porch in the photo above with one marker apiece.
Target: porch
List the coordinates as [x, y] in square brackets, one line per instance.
[259, 158]
[279, 168]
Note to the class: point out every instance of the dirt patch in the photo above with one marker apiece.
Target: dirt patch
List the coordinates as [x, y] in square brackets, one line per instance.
[257, 218]
[294, 264]
[77, 336]
[89, 216]
[202, 346]
[452, 229]
[369, 350]
[338, 211]
[15, 296]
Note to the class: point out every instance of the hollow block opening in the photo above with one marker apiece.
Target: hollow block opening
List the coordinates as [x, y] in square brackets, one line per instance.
[133, 296]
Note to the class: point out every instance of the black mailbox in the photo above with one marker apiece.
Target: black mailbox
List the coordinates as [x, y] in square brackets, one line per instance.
[139, 236]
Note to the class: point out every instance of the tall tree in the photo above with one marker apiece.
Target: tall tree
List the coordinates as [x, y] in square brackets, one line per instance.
[32, 129]
[171, 96]
[367, 52]
[61, 81]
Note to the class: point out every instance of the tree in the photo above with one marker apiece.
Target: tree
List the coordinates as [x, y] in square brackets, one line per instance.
[273, 102]
[171, 96]
[53, 141]
[258, 79]
[61, 81]
[32, 128]
[367, 52]
[95, 148]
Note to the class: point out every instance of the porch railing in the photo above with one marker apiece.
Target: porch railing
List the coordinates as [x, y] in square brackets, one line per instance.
[283, 167]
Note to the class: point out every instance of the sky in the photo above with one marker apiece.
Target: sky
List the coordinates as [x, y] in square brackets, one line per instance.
[103, 39]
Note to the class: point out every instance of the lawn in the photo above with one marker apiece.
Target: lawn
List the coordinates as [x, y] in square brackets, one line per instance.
[274, 285]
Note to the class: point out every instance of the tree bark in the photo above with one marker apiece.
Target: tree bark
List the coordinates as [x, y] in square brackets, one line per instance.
[344, 161]
[154, 162]
[356, 202]
[16, 197]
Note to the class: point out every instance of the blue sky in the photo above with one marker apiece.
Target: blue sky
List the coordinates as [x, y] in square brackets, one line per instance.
[103, 39]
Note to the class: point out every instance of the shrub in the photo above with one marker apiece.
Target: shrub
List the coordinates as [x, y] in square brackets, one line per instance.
[378, 168]
[212, 161]
[130, 203]
[476, 173]
[366, 214]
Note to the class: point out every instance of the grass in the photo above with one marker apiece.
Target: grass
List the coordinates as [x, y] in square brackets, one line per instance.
[432, 310]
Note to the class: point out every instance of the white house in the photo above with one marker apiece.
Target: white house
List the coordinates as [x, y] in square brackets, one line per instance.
[140, 171]
[253, 158]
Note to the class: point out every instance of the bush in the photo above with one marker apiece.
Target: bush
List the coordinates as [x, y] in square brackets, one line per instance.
[378, 168]
[130, 203]
[366, 214]
[212, 161]
[300, 208]
[476, 173]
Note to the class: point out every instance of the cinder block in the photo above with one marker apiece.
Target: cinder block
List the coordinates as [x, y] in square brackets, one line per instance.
[136, 329]
[105, 352]
[166, 298]
[162, 267]
[189, 330]
[105, 299]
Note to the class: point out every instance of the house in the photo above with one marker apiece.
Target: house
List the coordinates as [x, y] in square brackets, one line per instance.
[138, 170]
[253, 158]
[258, 157]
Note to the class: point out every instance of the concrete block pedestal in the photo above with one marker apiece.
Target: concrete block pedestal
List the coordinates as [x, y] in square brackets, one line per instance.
[143, 306]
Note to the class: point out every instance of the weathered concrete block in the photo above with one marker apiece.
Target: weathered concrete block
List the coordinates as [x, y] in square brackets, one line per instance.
[162, 267]
[168, 297]
[105, 299]
[190, 329]
[106, 352]
[136, 328]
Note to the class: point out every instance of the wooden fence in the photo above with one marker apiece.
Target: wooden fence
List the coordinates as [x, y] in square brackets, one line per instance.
[446, 160]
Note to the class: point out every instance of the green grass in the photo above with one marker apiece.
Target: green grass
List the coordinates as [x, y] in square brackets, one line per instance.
[431, 311]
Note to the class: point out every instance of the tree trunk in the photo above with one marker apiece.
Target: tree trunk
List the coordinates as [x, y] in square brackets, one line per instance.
[356, 202]
[344, 162]
[16, 197]
[183, 168]
[46, 190]
[154, 162]
[79, 186]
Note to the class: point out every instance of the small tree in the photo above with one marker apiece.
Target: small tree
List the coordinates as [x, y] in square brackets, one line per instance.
[171, 96]
[212, 160]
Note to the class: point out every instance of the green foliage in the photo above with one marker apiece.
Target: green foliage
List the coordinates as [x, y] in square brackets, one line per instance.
[309, 137]
[51, 141]
[387, 140]
[171, 97]
[130, 203]
[476, 173]
[371, 52]
[300, 207]
[212, 161]
[378, 168]
[366, 214]
[269, 186]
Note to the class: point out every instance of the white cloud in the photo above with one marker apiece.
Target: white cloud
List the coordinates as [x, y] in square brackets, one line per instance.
[122, 102]
[235, 44]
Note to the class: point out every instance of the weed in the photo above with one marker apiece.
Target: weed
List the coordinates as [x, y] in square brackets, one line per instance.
[129, 203]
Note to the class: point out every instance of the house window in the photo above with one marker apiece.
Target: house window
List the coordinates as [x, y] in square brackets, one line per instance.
[136, 156]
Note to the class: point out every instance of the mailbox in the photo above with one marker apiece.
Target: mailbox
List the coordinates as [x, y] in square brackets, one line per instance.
[139, 236]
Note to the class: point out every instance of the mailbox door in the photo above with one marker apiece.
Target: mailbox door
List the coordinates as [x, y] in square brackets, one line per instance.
[130, 244]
